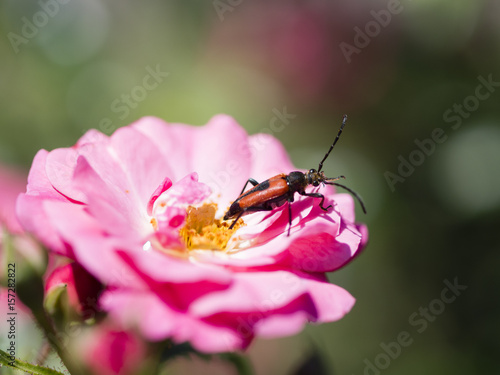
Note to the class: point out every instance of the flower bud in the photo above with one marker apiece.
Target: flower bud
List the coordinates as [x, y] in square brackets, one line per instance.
[71, 293]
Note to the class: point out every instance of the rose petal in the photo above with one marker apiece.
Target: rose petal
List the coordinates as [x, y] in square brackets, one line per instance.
[165, 185]
[141, 160]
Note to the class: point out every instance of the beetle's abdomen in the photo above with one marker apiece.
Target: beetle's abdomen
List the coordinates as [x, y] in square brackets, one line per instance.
[234, 210]
[265, 191]
[258, 195]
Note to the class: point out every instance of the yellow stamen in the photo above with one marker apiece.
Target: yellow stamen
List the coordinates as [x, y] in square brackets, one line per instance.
[203, 231]
[154, 223]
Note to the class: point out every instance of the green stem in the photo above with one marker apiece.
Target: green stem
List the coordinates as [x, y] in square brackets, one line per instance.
[51, 336]
[5, 360]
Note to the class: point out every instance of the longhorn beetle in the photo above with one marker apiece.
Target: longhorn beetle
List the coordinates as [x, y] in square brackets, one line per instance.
[272, 193]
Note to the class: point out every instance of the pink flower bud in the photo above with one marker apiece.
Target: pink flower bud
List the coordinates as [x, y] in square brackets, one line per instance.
[81, 287]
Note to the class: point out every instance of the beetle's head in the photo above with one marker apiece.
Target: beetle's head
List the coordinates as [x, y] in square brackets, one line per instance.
[314, 177]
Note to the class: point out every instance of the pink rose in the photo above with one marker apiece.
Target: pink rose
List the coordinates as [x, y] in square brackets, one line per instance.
[142, 211]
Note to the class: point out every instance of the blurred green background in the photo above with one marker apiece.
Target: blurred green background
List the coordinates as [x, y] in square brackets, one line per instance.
[400, 70]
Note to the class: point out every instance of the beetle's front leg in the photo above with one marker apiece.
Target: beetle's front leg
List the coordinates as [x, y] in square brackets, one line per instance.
[317, 195]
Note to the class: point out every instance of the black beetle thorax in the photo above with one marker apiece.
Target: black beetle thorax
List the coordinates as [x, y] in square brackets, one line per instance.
[297, 181]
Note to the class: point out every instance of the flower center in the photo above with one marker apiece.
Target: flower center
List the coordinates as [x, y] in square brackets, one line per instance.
[203, 231]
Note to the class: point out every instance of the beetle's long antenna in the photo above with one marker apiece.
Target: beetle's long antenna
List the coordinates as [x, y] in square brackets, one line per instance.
[344, 119]
[356, 195]
[335, 178]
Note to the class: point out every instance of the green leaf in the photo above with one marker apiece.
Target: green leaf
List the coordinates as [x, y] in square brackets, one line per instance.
[55, 299]
[5, 360]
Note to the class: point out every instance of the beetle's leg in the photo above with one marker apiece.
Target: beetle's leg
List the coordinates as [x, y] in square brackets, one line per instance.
[289, 218]
[317, 195]
[235, 220]
[290, 200]
[252, 209]
[252, 181]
